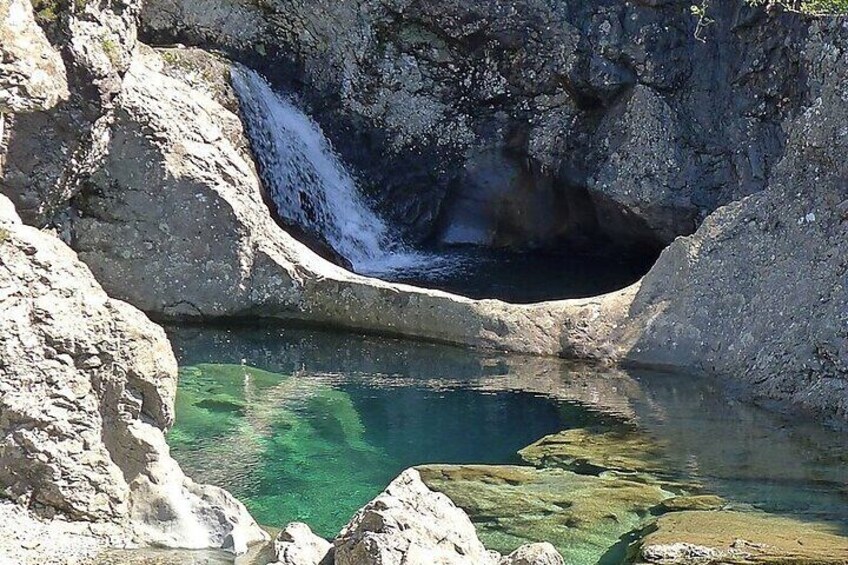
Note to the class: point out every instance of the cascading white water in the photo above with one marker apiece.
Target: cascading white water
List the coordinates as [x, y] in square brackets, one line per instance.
[308, 183]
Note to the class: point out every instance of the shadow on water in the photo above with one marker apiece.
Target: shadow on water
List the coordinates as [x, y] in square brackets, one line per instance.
[306, 425]
[527, 277]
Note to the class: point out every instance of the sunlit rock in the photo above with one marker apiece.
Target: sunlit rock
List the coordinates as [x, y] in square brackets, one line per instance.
[32, 74]
[411, 525]
[297, 545]
[735, 538]
[48, 153]
[533, 554]
[87, 387]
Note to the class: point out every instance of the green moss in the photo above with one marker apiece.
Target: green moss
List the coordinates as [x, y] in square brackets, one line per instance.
[46, 11]
[811, 7]
[111, 50]
[170, 57]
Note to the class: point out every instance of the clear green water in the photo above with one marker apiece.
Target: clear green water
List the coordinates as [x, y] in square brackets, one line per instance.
[309, 426]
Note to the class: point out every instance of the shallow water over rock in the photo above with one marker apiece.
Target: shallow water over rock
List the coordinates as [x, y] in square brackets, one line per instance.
[309, 426]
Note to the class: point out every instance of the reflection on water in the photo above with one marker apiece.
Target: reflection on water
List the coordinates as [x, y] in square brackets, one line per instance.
[305, 425]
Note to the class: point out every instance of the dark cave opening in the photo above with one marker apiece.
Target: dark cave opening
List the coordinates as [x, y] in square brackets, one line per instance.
[511, 230]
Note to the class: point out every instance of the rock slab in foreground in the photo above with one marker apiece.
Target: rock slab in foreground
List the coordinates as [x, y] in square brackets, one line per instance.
[87, 385]
[735, 538]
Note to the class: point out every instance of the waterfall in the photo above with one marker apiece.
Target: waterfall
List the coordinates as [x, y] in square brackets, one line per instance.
[306, 180]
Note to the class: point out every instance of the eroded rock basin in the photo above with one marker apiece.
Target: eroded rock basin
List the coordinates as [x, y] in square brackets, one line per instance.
[309, 426]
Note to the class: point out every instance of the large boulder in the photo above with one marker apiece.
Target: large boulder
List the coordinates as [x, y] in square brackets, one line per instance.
[87, 386]
[410, 524]
[759, 292]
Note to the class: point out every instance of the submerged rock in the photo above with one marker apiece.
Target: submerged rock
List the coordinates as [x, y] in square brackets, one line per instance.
[582, 516]
[693, 502]
[87, 386]
[735, 538]
[628, 450]
[411, 525]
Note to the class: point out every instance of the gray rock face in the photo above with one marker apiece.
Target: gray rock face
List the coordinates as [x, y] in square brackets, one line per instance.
[760, 292]
[412, 525]
[87, 385]
[32, 74]
[48, 152]
[297, 545]
[633, 193]
[561, 102]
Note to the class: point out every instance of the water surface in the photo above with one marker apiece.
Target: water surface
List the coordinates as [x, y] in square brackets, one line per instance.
[309, 426]
[526, 277]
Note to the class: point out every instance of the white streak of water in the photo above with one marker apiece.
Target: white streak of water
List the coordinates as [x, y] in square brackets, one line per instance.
[308, 183]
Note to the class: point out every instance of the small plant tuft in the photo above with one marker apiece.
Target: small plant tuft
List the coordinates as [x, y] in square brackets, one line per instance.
[110, 48]
[46, 11]
[819, 8]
